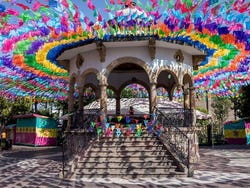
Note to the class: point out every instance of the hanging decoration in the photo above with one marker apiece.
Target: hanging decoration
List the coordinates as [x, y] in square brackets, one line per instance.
[34, 34]
[121, 128]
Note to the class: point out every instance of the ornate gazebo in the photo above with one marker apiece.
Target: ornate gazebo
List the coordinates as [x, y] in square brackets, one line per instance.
[116, 64]
[52, 51]
[146, 60]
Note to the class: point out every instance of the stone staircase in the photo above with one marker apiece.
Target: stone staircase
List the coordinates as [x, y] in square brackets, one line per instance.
[125, 156]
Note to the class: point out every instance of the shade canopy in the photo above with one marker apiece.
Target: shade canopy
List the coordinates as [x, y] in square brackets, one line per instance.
[34, 33]
[140, 106]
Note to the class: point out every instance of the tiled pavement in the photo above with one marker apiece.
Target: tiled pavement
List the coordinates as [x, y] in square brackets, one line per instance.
[223, 166]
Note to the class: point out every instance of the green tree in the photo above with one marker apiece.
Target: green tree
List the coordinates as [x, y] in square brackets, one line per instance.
[110, 93]
[4, 110]
[21, 106]
[221, 107]
[45, 112]
[243, 102]
[61, 106]
[128, 93]
[11, 108]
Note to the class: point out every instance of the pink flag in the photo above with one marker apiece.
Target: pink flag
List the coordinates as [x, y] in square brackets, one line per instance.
[65, 3]
[90, 5]
[36, 6]
[45, 18]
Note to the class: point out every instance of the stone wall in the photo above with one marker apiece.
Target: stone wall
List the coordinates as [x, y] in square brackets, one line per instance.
[76, 142]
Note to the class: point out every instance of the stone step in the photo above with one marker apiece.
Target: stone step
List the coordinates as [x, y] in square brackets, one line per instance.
[135, 172]
[124, 134]
[126, 143]
[119, 159]
[133, 164]
[121, 153]
[121, 170]
[125, 138]
[127, 176]
[127, 148]
[125, 156]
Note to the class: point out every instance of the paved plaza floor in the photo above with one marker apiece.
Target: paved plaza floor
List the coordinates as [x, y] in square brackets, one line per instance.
[222, 166]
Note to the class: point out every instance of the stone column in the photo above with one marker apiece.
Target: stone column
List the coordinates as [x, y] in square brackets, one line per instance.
[103, 99]
[192, 105]
[118, 105]
[70, 104]
[153, 97]
[187, 115]
[192, 97]
[191, 132]
[80, 107]
[186, 99]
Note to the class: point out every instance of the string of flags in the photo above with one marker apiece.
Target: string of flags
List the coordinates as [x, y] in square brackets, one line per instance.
[110, 128]
[33, 34]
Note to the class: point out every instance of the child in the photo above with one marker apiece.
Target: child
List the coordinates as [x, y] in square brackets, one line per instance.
[131, 110]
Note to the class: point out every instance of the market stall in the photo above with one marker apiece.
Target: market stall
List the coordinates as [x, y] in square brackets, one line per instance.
[237, 132]
[37, 130]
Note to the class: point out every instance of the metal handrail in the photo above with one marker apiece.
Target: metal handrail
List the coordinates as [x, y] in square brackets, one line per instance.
[91, 116]
[181, 116]
[82, 118]
[174, 138]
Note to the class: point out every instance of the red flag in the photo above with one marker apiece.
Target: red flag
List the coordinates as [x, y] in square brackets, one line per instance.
[24, 7]
[99, 18]
[12, 12]
[77, 14]
[65, 3]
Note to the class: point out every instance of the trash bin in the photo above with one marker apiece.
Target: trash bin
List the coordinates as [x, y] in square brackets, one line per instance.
[3, 144]
[6, 144]
[9, 144]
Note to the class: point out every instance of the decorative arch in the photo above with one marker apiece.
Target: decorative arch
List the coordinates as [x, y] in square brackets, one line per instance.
[189, 92]
[175, 83]
[162, 69]
[133, 82]
[137, 81]
[129, 59]
[87, 72]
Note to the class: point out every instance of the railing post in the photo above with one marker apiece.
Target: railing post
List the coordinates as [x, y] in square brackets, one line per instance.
[63, 159]
[176, 136]
[190, 174]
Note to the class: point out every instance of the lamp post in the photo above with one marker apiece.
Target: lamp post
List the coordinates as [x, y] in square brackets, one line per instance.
[207, 106]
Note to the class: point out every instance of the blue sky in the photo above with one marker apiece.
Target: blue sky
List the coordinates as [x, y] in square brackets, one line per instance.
[100, 5]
